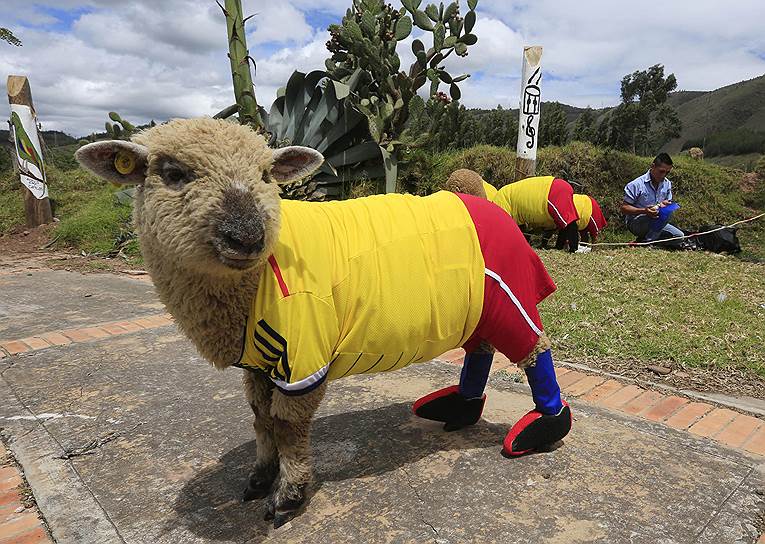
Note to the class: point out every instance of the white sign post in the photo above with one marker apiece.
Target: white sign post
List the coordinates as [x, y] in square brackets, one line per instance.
[29, 157]
[530, 105]
[28, 150]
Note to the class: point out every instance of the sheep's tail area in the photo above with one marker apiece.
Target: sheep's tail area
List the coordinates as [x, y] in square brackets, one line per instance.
[466, 182]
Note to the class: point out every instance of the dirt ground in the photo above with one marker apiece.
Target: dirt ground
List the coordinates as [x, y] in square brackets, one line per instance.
[26, 249]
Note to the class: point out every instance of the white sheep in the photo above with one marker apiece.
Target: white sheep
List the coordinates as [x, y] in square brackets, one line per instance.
[303, 293]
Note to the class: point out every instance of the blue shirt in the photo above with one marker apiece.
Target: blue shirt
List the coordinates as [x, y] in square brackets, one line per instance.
[641, 193]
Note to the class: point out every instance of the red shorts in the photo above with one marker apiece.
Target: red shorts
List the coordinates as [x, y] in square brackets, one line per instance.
[516, 281]
[560, 203]
[597, 220]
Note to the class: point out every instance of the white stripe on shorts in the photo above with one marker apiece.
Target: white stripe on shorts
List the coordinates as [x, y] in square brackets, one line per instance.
[506, 288]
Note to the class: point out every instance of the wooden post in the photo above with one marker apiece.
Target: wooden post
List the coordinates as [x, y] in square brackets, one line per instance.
[530, 103]
[29, 157]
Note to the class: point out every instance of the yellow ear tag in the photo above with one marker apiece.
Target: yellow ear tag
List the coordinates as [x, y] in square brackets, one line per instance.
[124, 162]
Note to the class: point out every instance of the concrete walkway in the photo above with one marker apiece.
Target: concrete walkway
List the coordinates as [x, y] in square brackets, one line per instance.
[126, 435]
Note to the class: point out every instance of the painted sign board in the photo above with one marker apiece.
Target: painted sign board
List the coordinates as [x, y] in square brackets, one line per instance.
[28, 150]
[530, 103]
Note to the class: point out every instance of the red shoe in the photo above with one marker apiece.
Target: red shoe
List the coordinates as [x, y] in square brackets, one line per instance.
[451, 408]
[535, 430]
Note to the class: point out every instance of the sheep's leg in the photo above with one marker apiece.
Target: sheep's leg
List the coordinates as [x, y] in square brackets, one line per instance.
[292, 426]
[459, 406]
[259, 389]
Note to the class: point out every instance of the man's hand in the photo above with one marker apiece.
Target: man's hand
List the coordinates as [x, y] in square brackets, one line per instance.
[665, 203]
[652, 211]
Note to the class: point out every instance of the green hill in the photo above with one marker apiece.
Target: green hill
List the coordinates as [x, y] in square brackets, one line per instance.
[52, 138]
[737, 106]
[734, 111]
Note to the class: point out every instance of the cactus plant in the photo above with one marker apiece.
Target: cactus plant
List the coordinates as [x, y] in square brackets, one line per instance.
[120, 129]
[368, 38]
[239, 56]
[7, 36]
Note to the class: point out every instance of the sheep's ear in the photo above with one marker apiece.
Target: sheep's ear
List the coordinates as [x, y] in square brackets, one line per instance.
[117, 161]
[295, 162]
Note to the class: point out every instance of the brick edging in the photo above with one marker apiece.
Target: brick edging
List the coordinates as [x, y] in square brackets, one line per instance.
[84, 334]
[19, 523]
[699, 418]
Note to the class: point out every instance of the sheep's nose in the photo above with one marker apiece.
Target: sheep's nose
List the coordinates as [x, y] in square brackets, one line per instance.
[246, 242]
[241, 227]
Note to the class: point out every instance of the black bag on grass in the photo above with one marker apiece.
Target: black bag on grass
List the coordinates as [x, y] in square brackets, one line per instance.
[720, 241]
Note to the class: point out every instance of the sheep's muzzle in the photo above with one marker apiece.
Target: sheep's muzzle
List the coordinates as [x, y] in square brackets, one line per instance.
[239, 235]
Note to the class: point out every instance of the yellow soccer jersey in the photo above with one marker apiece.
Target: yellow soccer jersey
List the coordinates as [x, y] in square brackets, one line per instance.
[490, 190]
[365, 285]
[526, 201]
[583, 205]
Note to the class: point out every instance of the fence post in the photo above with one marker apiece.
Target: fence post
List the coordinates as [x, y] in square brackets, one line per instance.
[530, 104]
[29, 157]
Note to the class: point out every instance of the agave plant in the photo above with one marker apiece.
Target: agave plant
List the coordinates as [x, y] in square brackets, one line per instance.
[313, 110]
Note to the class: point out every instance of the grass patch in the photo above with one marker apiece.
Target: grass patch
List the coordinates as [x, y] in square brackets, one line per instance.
[91, 218]
[11, 204]
[97, 225]
[657, 307]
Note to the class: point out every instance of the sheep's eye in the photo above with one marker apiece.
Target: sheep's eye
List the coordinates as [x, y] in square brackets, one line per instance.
[174, 175]
[267, 176]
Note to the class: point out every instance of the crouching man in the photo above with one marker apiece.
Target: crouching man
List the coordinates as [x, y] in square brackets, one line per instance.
[515, 282]
[647, 206]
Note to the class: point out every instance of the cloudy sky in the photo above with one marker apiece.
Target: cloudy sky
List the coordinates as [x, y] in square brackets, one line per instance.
[157, 59]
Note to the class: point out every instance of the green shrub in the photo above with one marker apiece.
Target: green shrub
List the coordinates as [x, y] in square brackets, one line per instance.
[6, 161]
[11, 201]
[759, 168]
[63, 157]
[98, 225]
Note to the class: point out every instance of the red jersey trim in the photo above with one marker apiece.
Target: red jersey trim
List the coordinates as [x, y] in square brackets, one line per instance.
[278, 274]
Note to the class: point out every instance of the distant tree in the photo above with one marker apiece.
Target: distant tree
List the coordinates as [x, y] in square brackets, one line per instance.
[498, 127]
[584, 128]
[553, 125]
[666, 125]
[602, 132]
[7, 36]
[644, 95]
[470, 130]
[439, 124]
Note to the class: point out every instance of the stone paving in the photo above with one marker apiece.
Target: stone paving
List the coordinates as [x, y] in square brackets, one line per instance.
[173, 442]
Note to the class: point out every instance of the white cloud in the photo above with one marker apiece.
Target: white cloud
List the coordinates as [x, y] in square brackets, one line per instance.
[149, 59]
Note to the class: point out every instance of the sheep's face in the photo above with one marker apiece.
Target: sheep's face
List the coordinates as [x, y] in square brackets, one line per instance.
[208, 194]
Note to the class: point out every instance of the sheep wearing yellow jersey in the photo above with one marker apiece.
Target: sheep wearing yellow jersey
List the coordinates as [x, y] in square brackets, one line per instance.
[590, 222]
[301, 293]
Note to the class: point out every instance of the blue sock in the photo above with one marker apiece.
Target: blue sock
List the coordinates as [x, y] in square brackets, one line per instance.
[475, 374]
[544, 386]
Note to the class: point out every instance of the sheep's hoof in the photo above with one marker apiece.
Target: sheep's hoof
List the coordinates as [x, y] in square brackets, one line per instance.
[270, 512]
[256, 491]
[283, 510]
[283, 517]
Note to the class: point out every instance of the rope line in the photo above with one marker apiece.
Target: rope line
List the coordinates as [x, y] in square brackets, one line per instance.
[695, 234]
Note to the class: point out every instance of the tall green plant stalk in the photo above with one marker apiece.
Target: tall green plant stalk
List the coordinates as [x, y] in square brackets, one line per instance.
[240, 58]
